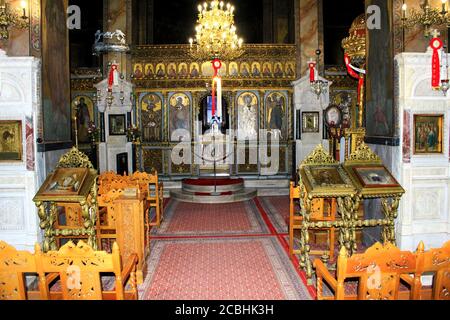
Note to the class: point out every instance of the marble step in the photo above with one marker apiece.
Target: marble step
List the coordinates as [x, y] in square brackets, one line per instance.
[233, 185]
[241, 195]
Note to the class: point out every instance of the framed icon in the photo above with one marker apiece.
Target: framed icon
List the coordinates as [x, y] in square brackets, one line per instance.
[310, 122]
[374, 176]
[10, 140]
[333, 116]
[428, 132]
[117, 125]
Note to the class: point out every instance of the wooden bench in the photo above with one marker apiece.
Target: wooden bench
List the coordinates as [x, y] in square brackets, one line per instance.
[435, 263]
[74, 272]
[377, 272]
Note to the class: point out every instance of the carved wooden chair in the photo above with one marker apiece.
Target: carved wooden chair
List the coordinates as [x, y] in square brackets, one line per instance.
[106, 220]
[321, 210]
[378, 272]
[14, 266]
[436, 263]
[150, 184]
[80, 271]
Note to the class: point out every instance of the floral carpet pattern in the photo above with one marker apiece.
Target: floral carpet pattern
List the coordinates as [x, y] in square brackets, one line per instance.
[222, 252]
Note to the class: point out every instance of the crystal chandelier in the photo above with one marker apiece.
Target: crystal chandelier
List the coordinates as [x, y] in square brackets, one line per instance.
[216, 36]
[9, 18]
[428, 17]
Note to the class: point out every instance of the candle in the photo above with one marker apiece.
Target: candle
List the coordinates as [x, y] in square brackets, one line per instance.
[219, 98]
[443, 6]
[404, 11]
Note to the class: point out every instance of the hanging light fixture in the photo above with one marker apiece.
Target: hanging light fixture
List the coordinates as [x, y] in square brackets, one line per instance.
[429, 17]
[318, 86]
[215, 36]
[9, 19]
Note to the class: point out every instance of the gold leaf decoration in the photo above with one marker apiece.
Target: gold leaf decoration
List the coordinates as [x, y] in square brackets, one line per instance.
[319, 156]
[74, 159]
[364, 154]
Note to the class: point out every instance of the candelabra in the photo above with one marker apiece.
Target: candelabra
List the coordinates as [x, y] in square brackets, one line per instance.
[427, 18]
[216, 36]
[9, 18]
[318, 86]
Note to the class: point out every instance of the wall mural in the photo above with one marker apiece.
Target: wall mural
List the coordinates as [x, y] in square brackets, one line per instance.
[247, 105]
[151, 118]
[179, 110]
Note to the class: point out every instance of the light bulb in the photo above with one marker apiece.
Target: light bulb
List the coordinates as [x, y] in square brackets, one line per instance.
[404, 6]
[199, 8]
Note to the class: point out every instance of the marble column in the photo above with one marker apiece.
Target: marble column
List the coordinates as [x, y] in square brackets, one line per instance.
[118, 16]
[307, 28]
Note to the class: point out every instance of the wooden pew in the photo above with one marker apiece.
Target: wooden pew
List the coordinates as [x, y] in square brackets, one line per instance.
[436, 263]
[79, 269]
[378, 272]
[14, 266]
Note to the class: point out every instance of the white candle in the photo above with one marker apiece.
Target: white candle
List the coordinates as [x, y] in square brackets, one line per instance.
[219, 98]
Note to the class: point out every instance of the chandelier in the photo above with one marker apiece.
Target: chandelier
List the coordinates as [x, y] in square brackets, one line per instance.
[216, 36]
[427, 18]
[9, 18]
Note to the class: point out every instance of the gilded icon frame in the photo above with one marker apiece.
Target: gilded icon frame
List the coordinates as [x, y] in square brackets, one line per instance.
[426, 120]
[11, 129]
[310, 122]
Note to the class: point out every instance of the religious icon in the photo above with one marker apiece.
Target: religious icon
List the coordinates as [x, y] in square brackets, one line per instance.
[179, 114]
[194, 70]
[138, 73]
[83, 114]
[149, 72]
[275, 110]
[160, 70]
[326, 176]
[346, 105]
[207, 69]
[333, 116]
[374, 176]
[267, 69]
[278, 72]
[172, 72]
[310, 122]
[65, 181]
[233, 69]
[223, 70]
[428, 133]
[10, 140]
[247, 116]
[116, 124]
[290, 70]
[182, 70]
[245, 69]
[256, 69]
[151, 116]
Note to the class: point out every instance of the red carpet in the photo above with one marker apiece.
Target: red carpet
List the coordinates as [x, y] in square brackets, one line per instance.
[226, 269]
[183, 218]
[277, 209]
[221, 252]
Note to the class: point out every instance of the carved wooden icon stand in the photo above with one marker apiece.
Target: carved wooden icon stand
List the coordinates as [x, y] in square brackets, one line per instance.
[67, 202]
